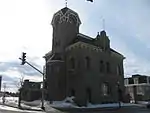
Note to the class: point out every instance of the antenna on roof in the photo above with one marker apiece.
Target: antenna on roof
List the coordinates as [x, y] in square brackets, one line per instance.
[66, 3]
[103, 22]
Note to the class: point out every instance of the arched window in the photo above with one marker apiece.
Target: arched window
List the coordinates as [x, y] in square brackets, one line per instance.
[72, 63]
[72, 92]
[105, 89]
[101, 66]
[87, 62]
[108, 67]
[118, 70]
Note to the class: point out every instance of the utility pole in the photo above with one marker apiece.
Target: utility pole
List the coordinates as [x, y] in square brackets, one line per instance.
[4, 93]
[23, 59]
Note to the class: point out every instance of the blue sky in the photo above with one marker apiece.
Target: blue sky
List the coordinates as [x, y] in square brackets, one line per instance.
[25, 26]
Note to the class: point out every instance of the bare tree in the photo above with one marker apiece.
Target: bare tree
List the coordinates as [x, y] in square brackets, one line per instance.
[19, 85]
[4, 93]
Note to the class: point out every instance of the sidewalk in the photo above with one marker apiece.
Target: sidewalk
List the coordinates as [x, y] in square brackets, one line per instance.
[13, 102]
[22, 108]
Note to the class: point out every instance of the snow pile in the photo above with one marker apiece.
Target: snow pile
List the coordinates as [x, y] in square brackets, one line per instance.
[67, 102]
[32, 103]
[13, 101]
[10, 101]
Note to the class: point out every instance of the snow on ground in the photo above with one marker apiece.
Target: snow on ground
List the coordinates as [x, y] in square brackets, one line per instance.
[143, 102]
[3, 107]
[32, 105]
[66, 103]
[69, 103]
[13, 101]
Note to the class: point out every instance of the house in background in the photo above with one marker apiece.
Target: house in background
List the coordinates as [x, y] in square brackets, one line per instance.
[31, 91]
[138, 86]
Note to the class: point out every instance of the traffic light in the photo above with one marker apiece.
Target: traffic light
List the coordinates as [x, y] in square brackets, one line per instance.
[23, 58]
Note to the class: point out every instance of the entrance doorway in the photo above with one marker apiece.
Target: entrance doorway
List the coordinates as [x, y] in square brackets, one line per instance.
[89, 95]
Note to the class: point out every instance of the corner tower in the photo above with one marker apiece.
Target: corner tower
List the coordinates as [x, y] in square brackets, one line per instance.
[65, 24]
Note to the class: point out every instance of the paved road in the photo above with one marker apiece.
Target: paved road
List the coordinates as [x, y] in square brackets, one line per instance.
[123, 110]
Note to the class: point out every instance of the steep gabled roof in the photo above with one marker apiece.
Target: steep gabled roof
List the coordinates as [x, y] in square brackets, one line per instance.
[86, 40]
[84, 45]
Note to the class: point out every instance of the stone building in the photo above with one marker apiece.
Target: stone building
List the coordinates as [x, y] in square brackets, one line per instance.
[82, 66]
[31, 90]
[138, 86]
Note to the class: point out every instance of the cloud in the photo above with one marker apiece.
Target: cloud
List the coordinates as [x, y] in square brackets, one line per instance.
[25, 27]
[12, 72]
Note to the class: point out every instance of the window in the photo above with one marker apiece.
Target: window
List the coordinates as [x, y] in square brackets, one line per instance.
[126, 81]
[105, 90]
[101, 66]
[72, 92]
[119, 71]
[136, 80]
[72, 63]
[139, 90]
[108, 67]
[87, 62]
[130, 81]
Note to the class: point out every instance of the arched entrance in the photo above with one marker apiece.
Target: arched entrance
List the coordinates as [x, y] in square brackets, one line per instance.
[89, 95]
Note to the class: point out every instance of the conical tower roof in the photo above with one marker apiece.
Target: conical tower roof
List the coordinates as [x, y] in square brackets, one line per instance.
[64, 15]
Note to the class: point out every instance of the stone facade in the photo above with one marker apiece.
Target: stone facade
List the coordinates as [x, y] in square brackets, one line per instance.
[82, 66]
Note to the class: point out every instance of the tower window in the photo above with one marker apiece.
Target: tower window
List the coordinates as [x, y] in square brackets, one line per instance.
[87, 62]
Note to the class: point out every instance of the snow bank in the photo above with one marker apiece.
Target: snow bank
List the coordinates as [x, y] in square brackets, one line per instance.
[143, 102]
[32, 103]
[69, 103]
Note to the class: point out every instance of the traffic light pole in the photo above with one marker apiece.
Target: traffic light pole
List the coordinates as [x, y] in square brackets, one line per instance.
[42, 106]
[33, 67]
